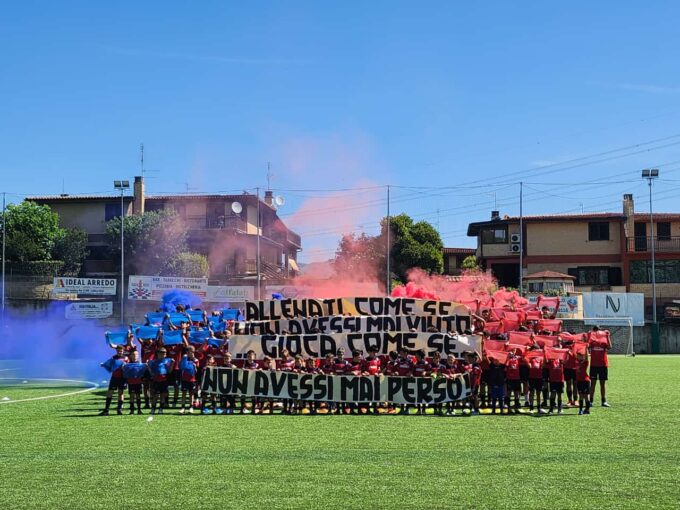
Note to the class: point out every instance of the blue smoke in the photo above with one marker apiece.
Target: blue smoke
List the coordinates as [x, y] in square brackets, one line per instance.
[175, 297]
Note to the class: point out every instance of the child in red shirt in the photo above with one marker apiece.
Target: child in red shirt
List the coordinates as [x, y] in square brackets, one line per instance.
[556, 379]
[583, 383]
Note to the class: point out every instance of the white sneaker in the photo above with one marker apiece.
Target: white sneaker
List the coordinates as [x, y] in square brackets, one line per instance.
[542, 411]
[181, 411]
[190, 410]
[246, 411]
[453, 412]
[605, 404]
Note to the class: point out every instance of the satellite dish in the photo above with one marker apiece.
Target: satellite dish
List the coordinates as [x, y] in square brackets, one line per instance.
[236, 207]
[279, 201]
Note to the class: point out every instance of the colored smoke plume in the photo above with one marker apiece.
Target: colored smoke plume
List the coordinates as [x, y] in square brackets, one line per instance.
[43, 343]
[468, 288]
[174, 297]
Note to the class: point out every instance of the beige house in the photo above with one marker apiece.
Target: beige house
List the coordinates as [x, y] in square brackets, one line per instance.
[226, 237]
[602, 251]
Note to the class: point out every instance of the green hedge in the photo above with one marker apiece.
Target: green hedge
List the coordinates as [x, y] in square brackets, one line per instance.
[36, 267]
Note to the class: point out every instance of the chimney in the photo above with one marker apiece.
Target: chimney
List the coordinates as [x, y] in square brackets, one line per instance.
[495, 215]
[629, 213]
[138, 202]
[269, 197]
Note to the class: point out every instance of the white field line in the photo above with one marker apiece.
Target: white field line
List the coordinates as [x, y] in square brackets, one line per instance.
[93, 386]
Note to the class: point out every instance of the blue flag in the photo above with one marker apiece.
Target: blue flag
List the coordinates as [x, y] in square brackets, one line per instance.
[176, 318]
[195, 315]
[134, 370]
[172, 337]
[187, 366]
[147, 332]
[116, 338]
[215, 342]
[160, 366]
[231, 314]
[198, 337]
[217, 325]
[155, 318]
[112, 364]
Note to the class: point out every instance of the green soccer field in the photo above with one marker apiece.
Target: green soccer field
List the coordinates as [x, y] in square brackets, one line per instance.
[56, 454]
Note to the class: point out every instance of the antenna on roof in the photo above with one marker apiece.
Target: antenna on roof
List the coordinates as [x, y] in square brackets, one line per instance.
[269, 176]
[141, 157]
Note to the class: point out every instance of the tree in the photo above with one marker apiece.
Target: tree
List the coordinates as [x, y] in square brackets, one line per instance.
[32, 231]
[71, 248]
[359, 256]
[470, 263]
[414, 245]
[188, 265]
[151, 240]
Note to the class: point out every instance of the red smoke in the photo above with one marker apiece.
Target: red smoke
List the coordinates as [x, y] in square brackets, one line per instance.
[469, 288]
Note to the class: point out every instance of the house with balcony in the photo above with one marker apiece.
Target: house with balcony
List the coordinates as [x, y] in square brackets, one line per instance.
[453, 259]
[601, 251]
[228, 238]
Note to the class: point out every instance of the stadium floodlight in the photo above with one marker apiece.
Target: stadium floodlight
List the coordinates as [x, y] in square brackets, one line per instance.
[650, 174]
[122, 186]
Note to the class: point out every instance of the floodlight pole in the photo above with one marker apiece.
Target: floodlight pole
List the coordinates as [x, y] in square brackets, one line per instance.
[4, 233]
[258, 245]
[122, 258]
[521, 240]
[650, 176]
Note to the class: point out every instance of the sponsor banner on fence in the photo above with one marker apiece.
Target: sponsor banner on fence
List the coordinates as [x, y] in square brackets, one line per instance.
[318, 345]
[153, 287]
[226, 294]
[89, 310]
[334, 388]
[363, 324]
[90, 286]
[291, 308]
[615, 306]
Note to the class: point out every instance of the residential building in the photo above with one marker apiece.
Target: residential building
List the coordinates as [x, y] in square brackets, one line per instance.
[602, 251]
[453, 259]
[227, 238]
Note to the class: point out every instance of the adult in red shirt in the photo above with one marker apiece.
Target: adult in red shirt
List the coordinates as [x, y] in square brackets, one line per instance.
[599, 342]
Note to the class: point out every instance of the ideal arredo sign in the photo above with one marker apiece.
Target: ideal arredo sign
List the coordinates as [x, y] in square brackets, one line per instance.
[87, 286]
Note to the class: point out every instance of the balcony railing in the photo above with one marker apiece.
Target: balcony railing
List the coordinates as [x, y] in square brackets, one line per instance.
[662, 244]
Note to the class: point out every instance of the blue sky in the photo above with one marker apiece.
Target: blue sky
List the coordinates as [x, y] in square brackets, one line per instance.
[451, 103]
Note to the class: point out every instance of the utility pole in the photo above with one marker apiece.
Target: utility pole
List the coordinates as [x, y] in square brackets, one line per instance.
[4, 239]
[258, 245]
[388, 285]
[521, 241]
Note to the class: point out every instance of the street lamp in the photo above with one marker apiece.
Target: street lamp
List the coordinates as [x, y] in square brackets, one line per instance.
[122, 186]
[650, 175]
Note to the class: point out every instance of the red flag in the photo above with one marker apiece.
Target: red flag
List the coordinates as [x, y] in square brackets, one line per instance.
[598, 337]
[553, 303]
[533, 353]
[568, 337]
[518, 316]
[520, 337]
[500, 356]
[545, 340]
[519, 349]
[493, 328]
[555, 353]
[510, 324]
[533, 315]
[579, 348]
[494, 345]
[552, 325]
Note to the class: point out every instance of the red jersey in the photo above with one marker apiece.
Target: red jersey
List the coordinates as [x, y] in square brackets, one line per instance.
[555, 371]
[354, 367]
[403, 366]
[285, 365]
[175, 352]
[475, 372]
[598, 354]
[339, 366]
[570, 362]
[148, 350]
[582, 371]
[371, 365]
[119, 371]
[536, 368]
[251, 365]
[512, 369]
[327, 366]
[421, 368]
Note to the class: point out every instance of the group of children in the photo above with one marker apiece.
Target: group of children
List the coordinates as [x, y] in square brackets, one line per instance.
[497, 382]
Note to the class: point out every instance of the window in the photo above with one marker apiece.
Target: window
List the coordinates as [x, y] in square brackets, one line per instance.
[495, 236]
[598, 231]
[99, 253]
[596, 275]
[663, 231]
[667, 271]
[112, 210]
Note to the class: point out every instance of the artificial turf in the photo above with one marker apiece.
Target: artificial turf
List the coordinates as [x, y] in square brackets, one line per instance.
[55, 453]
